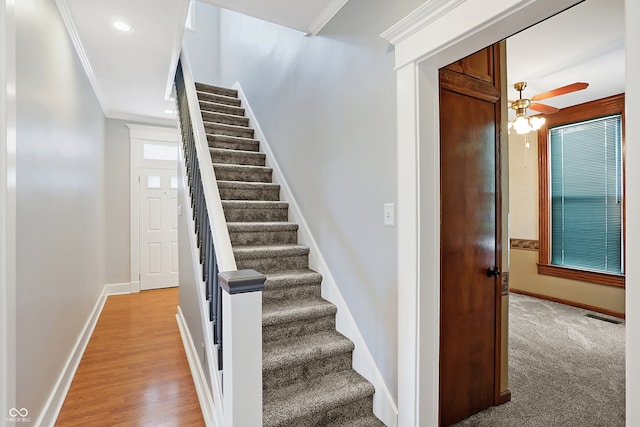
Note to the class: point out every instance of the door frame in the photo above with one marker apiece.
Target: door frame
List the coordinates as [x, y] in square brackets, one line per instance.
[138, 135]
[434, 35]
[8, 125]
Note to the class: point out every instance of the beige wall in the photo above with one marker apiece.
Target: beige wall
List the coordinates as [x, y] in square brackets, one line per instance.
[523, 190]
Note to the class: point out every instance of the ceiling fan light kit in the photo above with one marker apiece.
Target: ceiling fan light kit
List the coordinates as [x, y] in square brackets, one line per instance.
[524, 124]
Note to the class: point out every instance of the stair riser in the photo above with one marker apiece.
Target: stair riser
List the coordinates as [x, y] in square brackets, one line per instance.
[256, 215]
[221, 108]
[217, 90]
[264, 238]
[231, 174]
[337, 416]
[219, 129]
[203, 96]
[235, 158]
[307, 371]
[291, 293]
[270, 265]
[226, 119]
[298, 328]
[231, 144]
[270, 195]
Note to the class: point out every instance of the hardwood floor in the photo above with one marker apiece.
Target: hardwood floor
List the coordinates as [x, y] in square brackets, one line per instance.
[134, 371]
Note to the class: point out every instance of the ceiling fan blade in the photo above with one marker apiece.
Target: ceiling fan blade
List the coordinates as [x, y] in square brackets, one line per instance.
[574, 87]
[543, 108]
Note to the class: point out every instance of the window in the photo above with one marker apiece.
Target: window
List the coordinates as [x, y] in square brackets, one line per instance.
[582, 193]
[167, 152]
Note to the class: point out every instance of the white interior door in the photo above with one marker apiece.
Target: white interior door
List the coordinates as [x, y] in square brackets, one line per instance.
[158, 229]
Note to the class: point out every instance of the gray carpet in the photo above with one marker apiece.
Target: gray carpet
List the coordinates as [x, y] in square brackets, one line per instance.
[565, 369]
[307, 376]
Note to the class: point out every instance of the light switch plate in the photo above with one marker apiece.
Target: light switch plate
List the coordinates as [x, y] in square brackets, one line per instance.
[389, 215]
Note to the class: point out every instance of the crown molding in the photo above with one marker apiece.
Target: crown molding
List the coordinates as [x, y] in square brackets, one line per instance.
[418, 19]
[65, 12]
[326, 15]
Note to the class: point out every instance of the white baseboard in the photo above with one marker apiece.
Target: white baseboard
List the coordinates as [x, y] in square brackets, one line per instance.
[118, 289]
[52, 407]
[199, 378]
[384, 405]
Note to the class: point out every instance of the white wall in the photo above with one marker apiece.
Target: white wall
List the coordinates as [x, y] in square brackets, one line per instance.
[60, 200]
[7, 206]
[204, 39]
[632, 99]
[117, 209]
[327, 106]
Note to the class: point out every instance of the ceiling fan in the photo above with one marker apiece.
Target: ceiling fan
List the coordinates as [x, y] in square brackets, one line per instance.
[524, 124]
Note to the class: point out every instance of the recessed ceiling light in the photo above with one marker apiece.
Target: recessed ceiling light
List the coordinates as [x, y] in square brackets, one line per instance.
[123, 26]
[168, 111]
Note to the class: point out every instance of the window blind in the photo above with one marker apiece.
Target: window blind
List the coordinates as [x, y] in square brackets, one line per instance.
[586, 195]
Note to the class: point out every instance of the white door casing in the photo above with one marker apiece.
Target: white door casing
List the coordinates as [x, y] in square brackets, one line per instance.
[151, 149]
[8, 126]
[158, 229]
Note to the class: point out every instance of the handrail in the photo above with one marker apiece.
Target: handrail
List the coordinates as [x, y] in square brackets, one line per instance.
[221, 240]
[213, 240]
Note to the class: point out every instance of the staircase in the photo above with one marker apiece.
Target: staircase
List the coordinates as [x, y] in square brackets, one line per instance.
[307, 377]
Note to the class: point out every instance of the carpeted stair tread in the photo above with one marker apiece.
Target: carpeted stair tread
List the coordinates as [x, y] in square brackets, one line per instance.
[276, 251]
[255, 211]
[291, 405]
[289, 286]
[233, 142]
[269, 258]
[262, 226]
[221, 108]
[266, 233]
[238, 157]
[370, 421]
[274, 313]
[228, 130]
[242, 190]
[204, 87]
[218, 99]
[254, 204]
[224, 118]
[248, 173]
[276, 354]
[292, 278]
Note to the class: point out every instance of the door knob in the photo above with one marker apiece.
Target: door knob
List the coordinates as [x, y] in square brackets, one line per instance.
[493, 272]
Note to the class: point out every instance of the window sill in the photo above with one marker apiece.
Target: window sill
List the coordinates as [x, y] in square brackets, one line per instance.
[582, 275]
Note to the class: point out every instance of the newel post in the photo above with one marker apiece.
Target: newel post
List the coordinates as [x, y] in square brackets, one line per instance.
[242, 348]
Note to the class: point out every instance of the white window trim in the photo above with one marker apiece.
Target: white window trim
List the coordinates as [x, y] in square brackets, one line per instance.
[138, 135]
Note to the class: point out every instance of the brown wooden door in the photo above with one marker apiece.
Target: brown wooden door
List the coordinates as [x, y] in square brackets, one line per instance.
[470, 113]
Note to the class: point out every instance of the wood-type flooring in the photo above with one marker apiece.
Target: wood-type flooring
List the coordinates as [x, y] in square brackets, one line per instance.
[134, 371]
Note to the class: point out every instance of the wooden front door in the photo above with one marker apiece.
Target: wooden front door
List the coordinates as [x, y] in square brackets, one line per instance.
[470, 114]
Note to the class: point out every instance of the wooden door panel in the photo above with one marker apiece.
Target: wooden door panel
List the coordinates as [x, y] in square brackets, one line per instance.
[469, 119]
[468, 247]
[480, 65]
